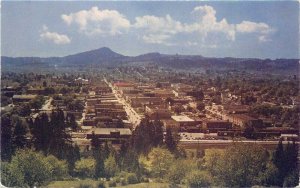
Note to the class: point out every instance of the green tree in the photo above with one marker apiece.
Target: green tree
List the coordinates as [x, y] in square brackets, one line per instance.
[85, 168]
[179, 169]
[200, 106]
[7, 147]
[242, 165]
[41, 133]
[170, 140]
[58, 169]
[97, 154]
[197, 178]
[27, 168]
[110, 166]
[20, 132]
[160, 161]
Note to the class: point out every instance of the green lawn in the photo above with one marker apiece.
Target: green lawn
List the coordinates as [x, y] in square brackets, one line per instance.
[94, 183]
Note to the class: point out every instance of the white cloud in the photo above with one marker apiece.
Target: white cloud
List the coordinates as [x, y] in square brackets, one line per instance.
[96, 21]
[208, 23]
[263, 38]
[253, 27]
[156, 39]
[158, 29]
[54, 37]
[161, 30]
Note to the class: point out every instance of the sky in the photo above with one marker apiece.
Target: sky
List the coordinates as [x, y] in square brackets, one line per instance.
[260, 29]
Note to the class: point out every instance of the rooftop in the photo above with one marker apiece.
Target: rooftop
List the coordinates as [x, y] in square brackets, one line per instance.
[182, 118]
[107, 131]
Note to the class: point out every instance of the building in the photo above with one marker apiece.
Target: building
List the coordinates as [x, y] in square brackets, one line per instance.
[113, 135]
[184, 121]
[213, 126]
[23, 98]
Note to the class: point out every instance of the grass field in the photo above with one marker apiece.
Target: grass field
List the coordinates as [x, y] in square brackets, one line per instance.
[94, 184]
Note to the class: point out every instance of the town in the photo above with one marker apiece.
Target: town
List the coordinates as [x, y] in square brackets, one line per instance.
[202, 110]
[150, 94]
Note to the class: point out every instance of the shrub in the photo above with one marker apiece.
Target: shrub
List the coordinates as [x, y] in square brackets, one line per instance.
[85, 168]
[58, 168]
[131, 178]
[27, 169]
[198, 179]
[85, 186]
[112, 183]
[101, 184]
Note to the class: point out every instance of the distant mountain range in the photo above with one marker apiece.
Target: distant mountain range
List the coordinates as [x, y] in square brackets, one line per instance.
[106, 57]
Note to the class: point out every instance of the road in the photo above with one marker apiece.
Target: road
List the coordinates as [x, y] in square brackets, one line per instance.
[133, 116]
[46, 107]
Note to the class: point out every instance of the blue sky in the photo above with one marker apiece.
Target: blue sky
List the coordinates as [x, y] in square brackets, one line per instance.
[213, 29]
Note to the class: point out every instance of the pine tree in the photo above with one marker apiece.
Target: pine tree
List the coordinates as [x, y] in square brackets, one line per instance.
[19, 133]
[279, 162]
[72, 155]
[41, 133]
[158, 133]
[59, 139]
[170, 141]
[6, 137]
[106, 151]
[97, 150]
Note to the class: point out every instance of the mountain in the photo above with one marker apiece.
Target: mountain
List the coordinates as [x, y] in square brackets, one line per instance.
[98, 56]
[106, 57]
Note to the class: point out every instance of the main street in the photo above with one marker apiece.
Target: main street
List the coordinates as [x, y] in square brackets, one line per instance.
[133, 116]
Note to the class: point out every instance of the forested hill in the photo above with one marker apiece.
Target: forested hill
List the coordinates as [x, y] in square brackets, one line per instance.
[106, 57]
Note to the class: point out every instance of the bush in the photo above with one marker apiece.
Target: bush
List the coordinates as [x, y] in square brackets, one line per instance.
[131, 178]
[85, 168]
[198, 179]
[101, 184]
[85, 186]
[123, 182]
[112, 183]
[58, 168]
[26, 169]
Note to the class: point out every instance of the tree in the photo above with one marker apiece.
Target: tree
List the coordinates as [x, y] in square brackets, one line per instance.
[20, 131]
[72, 155]
[97, 151]
[44, 84]
[59, 138]
[158, 135]
[141, 139]
[179, 169]
[242, 165]
[198, 178]
[49, 91]
[200, 106]
[285, 159]
[110, 166]
[106, 151]
[23, 110]
[85, 168]
[58, 169]
[160, 161]
[7, 148]
[170, 141]
[212, 160]
[41, 133]
[279, 161]
[71, 122]
[37, 103]
[27, 168]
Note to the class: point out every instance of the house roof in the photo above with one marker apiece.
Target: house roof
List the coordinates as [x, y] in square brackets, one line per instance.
[107, 131]
[182, 118]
